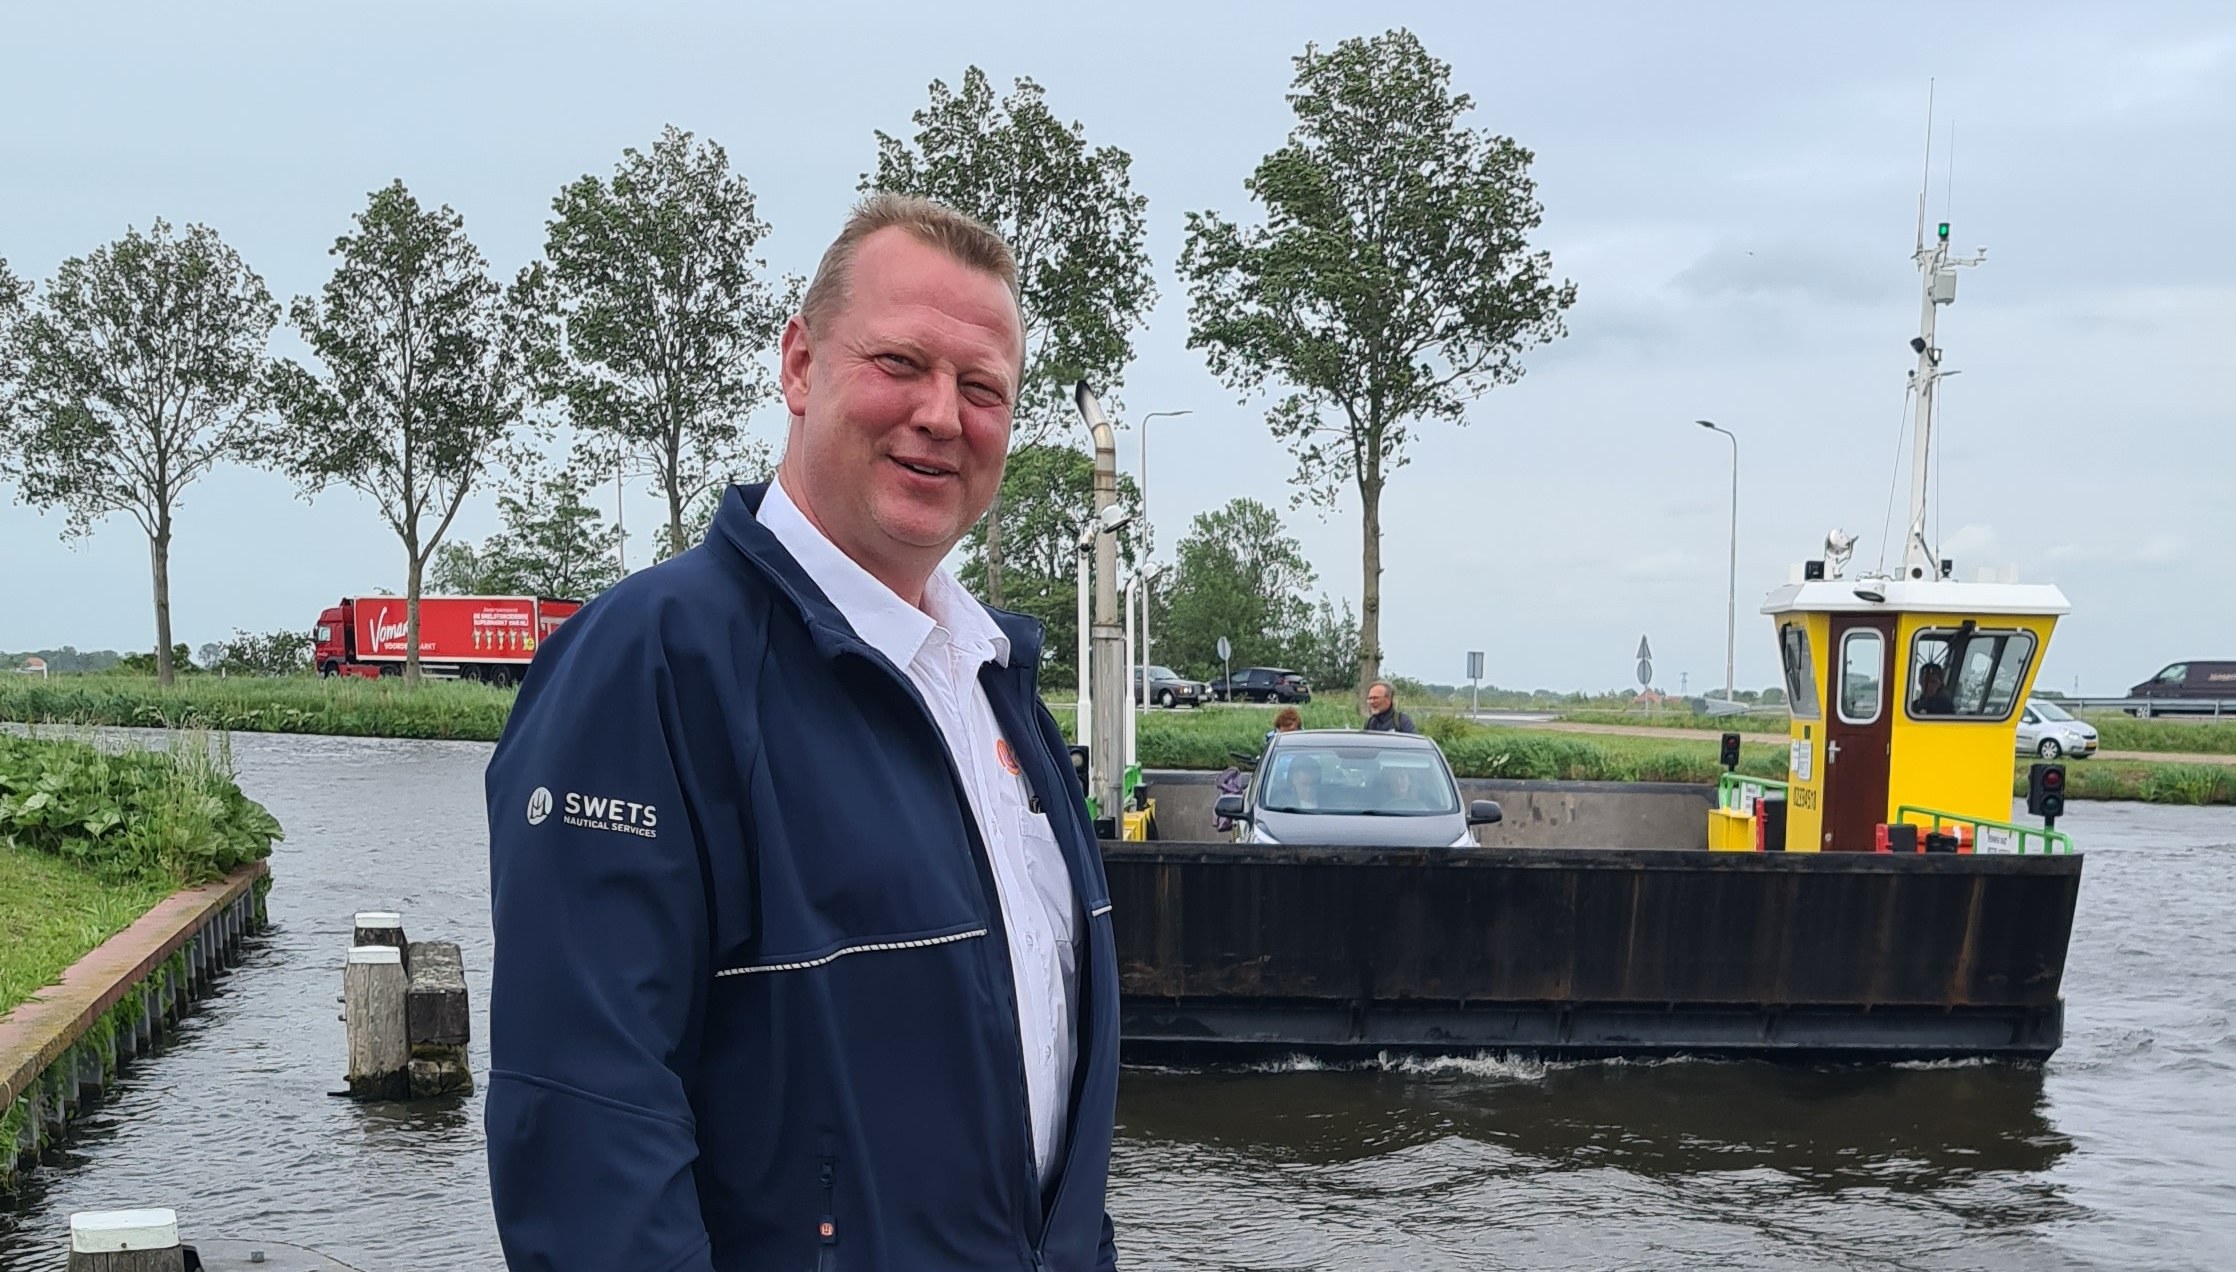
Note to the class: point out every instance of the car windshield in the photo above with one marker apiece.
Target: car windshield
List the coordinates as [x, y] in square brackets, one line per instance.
[1358, 781]
[2051, 711]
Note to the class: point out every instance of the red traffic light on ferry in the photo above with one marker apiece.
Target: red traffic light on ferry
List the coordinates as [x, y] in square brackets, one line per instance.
[1730, 753]
[2045, 790]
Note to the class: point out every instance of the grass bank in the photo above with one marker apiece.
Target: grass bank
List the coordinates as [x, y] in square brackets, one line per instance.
[89, 840]
[1204, 739]
[2115, 731]
[454, 710]
[1169, 739]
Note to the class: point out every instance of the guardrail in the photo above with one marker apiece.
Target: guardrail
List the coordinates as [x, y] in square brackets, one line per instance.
[2217, 708]
[1741, 793]
[1994, 836]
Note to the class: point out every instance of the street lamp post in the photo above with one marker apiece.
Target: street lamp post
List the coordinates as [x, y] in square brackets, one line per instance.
[1731, 595]
[1147, 542]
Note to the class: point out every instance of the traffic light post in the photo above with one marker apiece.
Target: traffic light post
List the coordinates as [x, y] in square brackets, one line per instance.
[2045, 793]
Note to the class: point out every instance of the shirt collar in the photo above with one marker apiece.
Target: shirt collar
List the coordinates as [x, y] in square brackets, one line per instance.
[878, 615]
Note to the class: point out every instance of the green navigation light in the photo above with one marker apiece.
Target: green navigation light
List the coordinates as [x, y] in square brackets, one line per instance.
[1944, 231]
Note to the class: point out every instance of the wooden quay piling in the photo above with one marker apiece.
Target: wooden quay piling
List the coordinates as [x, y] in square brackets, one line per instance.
[406, 1014]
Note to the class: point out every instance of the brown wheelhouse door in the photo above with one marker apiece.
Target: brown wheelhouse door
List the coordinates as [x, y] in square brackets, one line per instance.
[1859, 725]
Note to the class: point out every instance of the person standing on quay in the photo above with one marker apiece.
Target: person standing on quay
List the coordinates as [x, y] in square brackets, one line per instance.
[803, 947]
[1382, 713]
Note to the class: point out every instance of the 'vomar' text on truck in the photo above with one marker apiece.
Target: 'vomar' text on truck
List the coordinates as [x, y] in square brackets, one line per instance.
[487, 638]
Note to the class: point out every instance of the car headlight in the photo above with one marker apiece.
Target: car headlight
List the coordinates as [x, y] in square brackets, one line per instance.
[1466, 840]
[1258, 835]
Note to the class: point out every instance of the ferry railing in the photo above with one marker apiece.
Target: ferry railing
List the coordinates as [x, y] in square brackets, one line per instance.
[1990, 836]
[1740, 793]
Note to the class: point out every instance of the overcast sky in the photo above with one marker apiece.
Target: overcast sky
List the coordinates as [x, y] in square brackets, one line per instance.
[1732, 188]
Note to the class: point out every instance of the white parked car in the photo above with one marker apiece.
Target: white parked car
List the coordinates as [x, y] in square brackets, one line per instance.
[2048, 730]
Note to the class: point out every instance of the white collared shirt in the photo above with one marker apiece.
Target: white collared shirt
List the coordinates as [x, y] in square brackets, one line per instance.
[941, 648]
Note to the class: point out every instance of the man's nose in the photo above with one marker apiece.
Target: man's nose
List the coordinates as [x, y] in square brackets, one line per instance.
[939, 406]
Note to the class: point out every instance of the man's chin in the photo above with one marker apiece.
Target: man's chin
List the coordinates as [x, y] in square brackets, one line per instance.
[922, 529]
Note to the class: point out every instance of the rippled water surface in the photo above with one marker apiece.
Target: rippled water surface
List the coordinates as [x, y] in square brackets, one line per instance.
[2118, 1153]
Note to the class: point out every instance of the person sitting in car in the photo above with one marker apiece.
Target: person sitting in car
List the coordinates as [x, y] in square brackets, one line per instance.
[1402, 791]
[1303, 784]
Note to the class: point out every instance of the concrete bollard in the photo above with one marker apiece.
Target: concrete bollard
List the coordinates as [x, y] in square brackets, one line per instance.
[373, 996]
[379, 927]
[436, 1020]
[125, 1241]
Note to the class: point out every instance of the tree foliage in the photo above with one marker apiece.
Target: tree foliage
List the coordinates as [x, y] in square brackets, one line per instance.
[1241, 575]
[15, 297]
[1050, 491]
[136, 374]
[422, 383]
[655, 315]
[553, 544]
[1069, 214]
[281, 653]
[1390, 284]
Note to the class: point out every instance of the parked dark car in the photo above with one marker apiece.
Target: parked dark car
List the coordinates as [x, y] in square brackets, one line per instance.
[1168, 688]
[2188, 686]
[1263, 684]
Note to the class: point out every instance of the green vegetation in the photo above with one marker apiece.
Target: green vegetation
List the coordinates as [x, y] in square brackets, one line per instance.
[345, 707]
[1169, 739]
[90, 840]
[2114, 730]
[2119, 732]
[2153, 782]
[54, 912]
[1680, 718]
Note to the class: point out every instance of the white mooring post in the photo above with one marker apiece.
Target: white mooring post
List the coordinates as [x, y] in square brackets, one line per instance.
[125, 1241]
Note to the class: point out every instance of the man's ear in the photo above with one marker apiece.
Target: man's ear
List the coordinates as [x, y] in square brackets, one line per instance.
[796, 364]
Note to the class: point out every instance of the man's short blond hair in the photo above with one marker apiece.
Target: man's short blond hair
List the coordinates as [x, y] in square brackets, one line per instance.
[968, 240]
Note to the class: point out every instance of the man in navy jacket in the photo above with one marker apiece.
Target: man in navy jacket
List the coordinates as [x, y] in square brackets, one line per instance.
[803, 947]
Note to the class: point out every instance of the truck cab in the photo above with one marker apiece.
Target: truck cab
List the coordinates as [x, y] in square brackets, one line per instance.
[332, 649]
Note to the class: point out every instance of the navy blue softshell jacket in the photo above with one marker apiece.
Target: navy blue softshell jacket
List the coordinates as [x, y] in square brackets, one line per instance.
[751, 1006]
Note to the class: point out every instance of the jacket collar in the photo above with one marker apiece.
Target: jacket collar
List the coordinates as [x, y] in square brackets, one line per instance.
[737, 528]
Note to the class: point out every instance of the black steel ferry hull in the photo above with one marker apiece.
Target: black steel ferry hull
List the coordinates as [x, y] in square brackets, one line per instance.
[1233, 952]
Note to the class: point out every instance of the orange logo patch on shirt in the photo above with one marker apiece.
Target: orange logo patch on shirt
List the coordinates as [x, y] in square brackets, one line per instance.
[1008, 757]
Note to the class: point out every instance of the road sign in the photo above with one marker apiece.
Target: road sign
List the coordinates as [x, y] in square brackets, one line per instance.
[1474, 664]
[1226, 650]
[1645, 664]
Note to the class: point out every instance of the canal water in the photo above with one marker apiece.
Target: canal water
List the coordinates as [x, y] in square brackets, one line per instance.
[2118, 1153]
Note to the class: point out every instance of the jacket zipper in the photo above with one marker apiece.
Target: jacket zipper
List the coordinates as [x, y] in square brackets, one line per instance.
[826, 1230]
[990, 892]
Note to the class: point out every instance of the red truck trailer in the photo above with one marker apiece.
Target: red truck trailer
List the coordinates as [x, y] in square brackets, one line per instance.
[488, 638]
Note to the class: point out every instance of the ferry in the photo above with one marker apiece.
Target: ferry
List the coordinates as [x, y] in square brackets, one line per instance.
[1880, 902]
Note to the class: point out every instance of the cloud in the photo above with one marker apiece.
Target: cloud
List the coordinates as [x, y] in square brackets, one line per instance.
[2159, 549]
[1971, 543]
[1807, 271]
[1661, 564]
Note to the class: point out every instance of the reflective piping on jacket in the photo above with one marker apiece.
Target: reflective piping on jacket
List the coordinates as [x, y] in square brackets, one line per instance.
[835, 955]
[1099, 911]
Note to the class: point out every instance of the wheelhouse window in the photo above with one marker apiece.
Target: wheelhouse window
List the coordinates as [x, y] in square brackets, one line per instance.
[1863, 661]
[325, 633]
[1801, 671]
[1967, 673]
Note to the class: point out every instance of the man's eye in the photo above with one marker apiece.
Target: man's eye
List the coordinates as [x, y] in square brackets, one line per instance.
[896, 361]
[986, 394]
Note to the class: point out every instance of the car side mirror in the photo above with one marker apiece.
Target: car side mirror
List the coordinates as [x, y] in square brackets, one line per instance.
[1232, 807]
[1484, 812]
